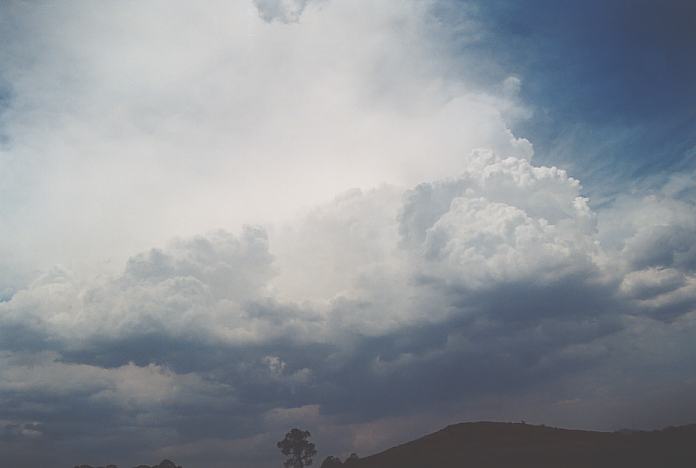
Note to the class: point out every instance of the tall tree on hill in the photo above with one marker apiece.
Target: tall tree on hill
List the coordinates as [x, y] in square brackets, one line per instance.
[297, 448]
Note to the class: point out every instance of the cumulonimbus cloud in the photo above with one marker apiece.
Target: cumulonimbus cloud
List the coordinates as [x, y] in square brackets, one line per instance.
[504, 264]
[448, 276]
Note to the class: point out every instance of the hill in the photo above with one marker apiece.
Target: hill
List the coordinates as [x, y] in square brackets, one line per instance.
[518, 445]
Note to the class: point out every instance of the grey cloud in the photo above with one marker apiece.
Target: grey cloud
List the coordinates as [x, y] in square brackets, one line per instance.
[663, 246]
[652, 237]
[286, 11]
[652, 282]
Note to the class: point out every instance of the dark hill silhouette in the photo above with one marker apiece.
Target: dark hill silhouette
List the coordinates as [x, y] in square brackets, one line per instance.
[513, 445]
[162, 464]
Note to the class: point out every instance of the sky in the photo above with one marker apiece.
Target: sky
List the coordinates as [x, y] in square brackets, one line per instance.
[364, 218]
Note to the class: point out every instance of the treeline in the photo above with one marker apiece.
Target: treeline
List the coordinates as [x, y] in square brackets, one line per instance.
[299, 451]
[335, 462]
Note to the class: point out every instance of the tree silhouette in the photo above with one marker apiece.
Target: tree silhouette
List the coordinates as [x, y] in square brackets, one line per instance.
[297, 448]
[332, 462]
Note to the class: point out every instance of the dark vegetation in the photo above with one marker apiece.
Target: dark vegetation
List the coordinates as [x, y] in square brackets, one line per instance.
[297, 449]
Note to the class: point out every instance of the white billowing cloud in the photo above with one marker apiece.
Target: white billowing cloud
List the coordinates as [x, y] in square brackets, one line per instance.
[543, 192]
[493, 242]
[133, 123]
[351, 307]
[320, 255]
[369, 262]
[194, 288]
[500, 221]
[355, 265]
[503, 220]
[231, 267]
